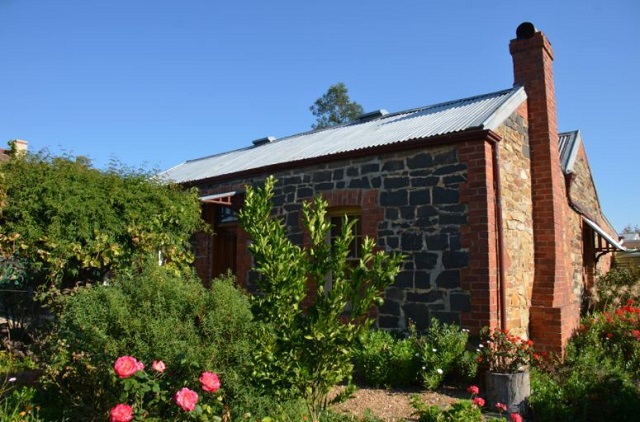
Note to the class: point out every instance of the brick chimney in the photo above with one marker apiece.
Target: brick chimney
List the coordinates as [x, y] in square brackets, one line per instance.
[554, 311]
[20, 146]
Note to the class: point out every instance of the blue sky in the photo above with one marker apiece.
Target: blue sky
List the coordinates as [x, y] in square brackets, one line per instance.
[153, 83]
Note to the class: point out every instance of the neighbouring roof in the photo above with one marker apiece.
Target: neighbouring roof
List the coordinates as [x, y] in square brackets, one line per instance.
[486, 111]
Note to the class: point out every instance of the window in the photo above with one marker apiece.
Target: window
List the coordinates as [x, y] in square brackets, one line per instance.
[226, 215]
[337, 221]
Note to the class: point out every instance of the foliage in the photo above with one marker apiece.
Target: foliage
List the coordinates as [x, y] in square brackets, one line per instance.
[443, 353]
[611, 337]
[153, 314]
[330, 416]
[335, 107]
[157, 394]
[462, 410]
[16, 398]
[614, 289]
[503, 352]
[598, 379]
[74, 223]
[312, 332]
[584, 390]
[384, 360]
[16, 404]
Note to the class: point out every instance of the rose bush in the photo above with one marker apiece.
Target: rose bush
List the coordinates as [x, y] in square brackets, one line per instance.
[150, 395]
[503, 352]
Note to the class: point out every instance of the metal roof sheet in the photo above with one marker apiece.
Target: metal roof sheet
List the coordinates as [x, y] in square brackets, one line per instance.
[486, 111]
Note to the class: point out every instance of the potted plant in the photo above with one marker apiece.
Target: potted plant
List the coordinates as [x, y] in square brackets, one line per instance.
[507, 358]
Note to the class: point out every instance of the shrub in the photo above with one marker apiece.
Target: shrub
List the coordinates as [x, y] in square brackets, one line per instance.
[384, 360]
[614, 289]
[152, 314]
[78, 224]
[598, 379]
[443, 354]
[312, 331]
[584, 390]
[462, 410]
[610, 337]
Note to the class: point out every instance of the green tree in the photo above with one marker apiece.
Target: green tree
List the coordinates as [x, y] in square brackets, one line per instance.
[335, 107]
[74, 223]
[309, 346]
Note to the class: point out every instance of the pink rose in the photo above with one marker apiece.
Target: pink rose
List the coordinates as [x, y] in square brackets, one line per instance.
[478, 401]
[126, 366]
[473, 389]
[186, 399]
[501, 407]
[516, 417]
[121, 413]
[158, 366]
[210, 382]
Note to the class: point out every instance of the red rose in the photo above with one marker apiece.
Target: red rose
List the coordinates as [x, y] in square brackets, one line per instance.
[210, 382]
[516, 417]
[186, 399]
[126, 366]
[473, 389]
[158, 366]
[121, 413]
[478, 401]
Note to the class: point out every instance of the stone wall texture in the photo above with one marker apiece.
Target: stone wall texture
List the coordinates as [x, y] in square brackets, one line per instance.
[517, 220]
[409, 202]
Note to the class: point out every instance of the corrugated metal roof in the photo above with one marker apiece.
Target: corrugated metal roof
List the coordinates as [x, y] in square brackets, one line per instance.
[568, 144]
[486, 111]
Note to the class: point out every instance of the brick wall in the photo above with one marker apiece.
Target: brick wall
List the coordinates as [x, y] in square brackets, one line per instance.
[555, 311]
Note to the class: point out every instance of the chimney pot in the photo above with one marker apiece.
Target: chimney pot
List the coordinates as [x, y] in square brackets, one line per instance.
[525, 31]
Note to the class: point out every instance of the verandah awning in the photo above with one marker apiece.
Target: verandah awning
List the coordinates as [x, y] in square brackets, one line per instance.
[603, 242]
[219, 198]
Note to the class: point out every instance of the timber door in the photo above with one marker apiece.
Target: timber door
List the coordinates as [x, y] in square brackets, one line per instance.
[224, 250]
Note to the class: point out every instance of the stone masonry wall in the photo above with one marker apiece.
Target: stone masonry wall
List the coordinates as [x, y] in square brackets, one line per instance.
[517, 220]
[410, 203]
[583, 194]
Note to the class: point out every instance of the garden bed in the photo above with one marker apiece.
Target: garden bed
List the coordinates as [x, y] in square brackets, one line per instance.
[395, 405]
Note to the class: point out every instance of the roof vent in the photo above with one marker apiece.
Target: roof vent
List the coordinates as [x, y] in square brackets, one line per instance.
[265, 140]
[372, 115]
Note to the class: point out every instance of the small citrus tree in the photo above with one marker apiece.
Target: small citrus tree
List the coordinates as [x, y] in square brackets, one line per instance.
[311, 331]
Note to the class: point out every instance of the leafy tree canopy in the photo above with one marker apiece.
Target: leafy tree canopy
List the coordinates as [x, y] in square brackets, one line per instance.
[335, 107]
[74, 223]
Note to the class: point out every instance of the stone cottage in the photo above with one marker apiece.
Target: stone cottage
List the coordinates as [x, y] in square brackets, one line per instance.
[495, 210]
